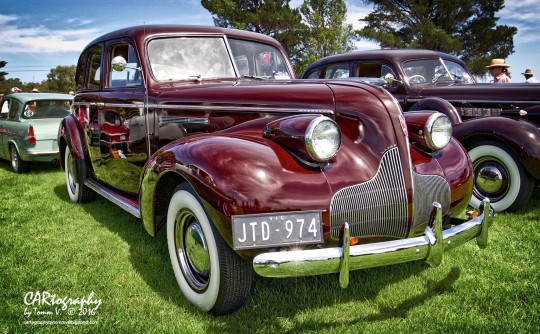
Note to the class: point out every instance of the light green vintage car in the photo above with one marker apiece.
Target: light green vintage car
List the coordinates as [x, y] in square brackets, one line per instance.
[28, 127]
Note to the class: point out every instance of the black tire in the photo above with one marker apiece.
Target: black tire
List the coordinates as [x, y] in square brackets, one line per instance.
[77, 193]
[17, 164]
[509, 187]
[209, 273]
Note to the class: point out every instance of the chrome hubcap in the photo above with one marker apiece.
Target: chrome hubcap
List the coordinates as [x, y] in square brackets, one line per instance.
[69, 171]
[491, 180]
[14, 160]
[191, 250]
[196, 250]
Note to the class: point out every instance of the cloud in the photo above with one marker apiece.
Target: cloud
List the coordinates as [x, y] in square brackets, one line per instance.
[520, 10]
[4, 19]
[79, 22]
[40, 39]
[522, 14]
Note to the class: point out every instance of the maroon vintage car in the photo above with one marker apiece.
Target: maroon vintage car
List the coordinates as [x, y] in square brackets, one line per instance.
[248, 169]
[497, 124]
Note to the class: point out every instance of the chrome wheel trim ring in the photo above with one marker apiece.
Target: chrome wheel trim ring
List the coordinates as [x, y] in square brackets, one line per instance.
[192, 254]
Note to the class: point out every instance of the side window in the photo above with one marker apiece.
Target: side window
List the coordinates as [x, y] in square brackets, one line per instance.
[337, 71]
[14, 110]
[130, 76]
[315, 74]
[369, 70]
[89, 69]
[5, 109]
[94, 77]
[388, 71]
[373, 69]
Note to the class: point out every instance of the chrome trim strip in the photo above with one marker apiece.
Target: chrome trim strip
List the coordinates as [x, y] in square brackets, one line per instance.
[183, 120]
[212, 108]
[30, 152]
[111, 196]
[326, 261]
[479, 101]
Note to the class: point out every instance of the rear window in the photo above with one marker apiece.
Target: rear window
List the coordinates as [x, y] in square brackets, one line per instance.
[46, 109]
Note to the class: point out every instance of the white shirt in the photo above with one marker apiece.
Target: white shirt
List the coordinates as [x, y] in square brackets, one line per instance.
[532, 80]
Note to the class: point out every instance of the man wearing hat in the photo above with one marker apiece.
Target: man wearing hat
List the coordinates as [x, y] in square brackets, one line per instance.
[529, 76]
[499, 71]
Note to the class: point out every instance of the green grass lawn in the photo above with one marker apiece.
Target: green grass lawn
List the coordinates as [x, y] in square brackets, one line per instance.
[50, 245]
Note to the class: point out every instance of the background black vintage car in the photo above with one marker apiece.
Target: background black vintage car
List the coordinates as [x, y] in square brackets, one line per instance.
[497, 124]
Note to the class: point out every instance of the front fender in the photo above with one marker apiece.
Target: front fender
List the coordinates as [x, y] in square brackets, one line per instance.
[454, 165]
[440, 105]
[519, 135]
[234, 175]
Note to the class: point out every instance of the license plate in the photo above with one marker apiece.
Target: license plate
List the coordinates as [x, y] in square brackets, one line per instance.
[274, 230]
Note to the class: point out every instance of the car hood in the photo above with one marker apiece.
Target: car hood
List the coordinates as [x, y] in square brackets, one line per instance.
[251, 93]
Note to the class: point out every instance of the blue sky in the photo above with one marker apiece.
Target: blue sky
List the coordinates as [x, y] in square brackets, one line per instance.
[37, 35]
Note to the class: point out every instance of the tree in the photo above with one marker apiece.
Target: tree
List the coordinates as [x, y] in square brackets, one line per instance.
[61, 79]
[2, 73]
[7, 84]
[328, 32]
[269, 17]
[465, 28]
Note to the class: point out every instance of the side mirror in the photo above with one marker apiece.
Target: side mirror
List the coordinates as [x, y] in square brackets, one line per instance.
[391, 81]
[119, 63]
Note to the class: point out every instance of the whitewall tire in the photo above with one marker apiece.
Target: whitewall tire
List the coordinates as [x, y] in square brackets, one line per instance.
[77, 193]
[209, 274]
[499, 175]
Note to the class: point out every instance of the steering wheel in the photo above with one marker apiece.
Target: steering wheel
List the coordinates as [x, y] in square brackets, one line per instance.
[417, 78]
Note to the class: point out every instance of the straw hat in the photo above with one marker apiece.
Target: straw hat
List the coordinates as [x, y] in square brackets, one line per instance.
[497, 62]
[528, 72]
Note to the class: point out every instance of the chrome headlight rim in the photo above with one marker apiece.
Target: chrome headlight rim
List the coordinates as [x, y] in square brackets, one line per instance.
[433, 120]
[310, 140]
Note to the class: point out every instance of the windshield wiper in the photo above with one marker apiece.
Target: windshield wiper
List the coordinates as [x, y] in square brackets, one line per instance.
[197, 77]
[255, 77]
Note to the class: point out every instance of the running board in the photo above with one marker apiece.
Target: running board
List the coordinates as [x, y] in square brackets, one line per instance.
[118, 199]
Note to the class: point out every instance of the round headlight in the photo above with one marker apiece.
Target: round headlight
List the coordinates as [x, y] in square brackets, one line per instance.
[323, 139]
[438, 131]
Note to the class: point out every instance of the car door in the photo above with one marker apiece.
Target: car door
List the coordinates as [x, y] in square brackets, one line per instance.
[121, 119]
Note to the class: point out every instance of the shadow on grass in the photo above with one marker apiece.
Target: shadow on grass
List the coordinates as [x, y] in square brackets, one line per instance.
[270, 298]
[385, 312]
[35, 166]
[149, 255]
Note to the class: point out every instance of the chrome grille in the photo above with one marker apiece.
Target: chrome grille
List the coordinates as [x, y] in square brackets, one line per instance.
[429, 189]
[377, 207]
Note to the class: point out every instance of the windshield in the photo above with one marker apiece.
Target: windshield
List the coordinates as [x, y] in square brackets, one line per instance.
[189, 58]
[435, 70]
[46, 109]
[182, 58]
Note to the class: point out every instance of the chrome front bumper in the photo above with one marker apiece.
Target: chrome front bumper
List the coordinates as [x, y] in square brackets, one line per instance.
[429, 247]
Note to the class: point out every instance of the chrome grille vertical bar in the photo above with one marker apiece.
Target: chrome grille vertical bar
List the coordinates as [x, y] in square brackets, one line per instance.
[377, 207]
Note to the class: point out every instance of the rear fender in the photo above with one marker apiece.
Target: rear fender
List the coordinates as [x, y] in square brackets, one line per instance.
[70, 133]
